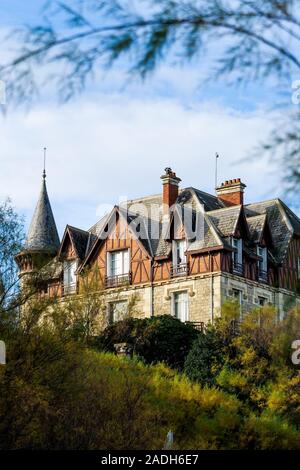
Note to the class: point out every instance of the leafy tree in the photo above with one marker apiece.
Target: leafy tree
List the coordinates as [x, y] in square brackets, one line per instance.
[11, 239]
[249, 40]
[157, 339]
[55, 393]
[205, 358]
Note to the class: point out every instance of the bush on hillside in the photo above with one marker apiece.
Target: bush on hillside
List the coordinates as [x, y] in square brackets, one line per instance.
[157, 339]
[55, 393]
[205, 358]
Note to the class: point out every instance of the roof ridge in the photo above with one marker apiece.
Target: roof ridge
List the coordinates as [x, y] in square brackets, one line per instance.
[78, 229]
[201, 191]
[150, 196]
[225, 208]
[261, 202]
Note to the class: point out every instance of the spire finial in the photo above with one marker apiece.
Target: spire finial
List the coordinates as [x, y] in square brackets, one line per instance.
[216, 170]
[44, 171]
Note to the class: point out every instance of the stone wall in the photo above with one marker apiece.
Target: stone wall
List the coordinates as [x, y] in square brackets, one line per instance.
[202, 304]
[206, 293]
[282, 299]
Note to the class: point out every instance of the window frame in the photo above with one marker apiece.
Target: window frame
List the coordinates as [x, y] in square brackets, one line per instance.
[175, 303]
[111, 312]
[261, 297]
[237, 254]
[239, 299]
[262, 264]
[176, 250]
[124, 269]
[69, 276]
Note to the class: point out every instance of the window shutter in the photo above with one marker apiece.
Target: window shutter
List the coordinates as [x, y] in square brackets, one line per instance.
[108, 264]
[240, 251]
[66, 273]
[126, 262]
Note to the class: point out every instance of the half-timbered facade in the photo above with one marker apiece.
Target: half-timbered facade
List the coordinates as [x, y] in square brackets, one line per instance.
[182, 252]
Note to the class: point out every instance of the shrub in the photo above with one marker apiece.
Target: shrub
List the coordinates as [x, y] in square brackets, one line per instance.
[205, 358]
[157, 339]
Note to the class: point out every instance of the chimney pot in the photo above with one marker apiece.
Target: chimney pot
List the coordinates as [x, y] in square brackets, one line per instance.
[170, 189]
[231, 192]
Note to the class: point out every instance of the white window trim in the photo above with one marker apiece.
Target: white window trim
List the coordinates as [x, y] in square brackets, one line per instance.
[173, 310]
[109, 262]
[175, 252]
[264, 257]
[109, 309]
[234, 289]
[69, 285]
[239, 251]
[267, 300]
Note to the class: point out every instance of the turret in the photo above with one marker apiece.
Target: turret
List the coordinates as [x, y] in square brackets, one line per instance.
[42, 241]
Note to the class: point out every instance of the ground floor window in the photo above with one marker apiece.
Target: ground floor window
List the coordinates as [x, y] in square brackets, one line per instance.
[117, 311]
[262, 301]
[238, 296]
[181, 306]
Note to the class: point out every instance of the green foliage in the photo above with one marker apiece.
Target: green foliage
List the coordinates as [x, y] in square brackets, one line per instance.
[157, 339]
[11, 238]
[205, 358]
[56, 393]
[252, 363]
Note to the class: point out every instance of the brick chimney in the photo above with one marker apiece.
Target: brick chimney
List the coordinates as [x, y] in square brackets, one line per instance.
[170, 188]
[231, 193]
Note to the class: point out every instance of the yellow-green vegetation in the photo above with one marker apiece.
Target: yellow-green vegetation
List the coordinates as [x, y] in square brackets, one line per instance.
[237, 390]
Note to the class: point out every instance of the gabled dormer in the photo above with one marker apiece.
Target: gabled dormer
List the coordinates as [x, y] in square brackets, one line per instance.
[262, 244]
[71, 253]
[122, 251]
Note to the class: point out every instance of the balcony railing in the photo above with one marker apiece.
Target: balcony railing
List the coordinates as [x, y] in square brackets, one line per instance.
[198, 325]
[69, 288]
[263, 275]
[118, 281]
[181, 269]
[238, 268]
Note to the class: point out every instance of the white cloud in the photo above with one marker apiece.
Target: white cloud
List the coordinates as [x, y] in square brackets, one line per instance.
[106, 146]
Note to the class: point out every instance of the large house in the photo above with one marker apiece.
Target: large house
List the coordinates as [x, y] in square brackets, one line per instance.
[182, 252]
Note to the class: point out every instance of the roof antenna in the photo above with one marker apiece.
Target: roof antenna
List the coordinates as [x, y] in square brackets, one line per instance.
[216, 170]
[44, 171]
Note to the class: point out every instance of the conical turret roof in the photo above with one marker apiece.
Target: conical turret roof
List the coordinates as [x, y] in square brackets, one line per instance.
[42, 234]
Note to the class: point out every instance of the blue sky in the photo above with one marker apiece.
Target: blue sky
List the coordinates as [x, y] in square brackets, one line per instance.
[114, 141]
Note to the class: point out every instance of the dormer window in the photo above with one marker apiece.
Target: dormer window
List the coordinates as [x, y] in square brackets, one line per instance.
[70, 267]
[237, 255]
[262, 263]
[179, 267]
[117, 268]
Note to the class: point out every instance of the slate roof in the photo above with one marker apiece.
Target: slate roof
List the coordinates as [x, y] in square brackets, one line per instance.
[42, 234]
[80, 239]
[145, 216]
[282, 221]
[209, 239]
[52, 270]
[256, 225]
[225, 220]
[209, 201]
